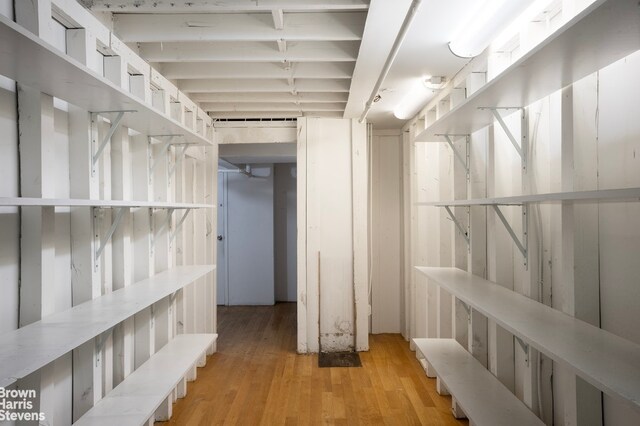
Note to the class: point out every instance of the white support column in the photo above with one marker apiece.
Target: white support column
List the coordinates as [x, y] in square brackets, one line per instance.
[142, 248]
[85, 235]
[360, 174]
[122, 245]
[301, 212]
[211, 197]
[37, 242]
[447, 231]
[199, 237]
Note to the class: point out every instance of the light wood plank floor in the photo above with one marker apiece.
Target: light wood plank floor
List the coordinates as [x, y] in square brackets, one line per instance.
[256, 378]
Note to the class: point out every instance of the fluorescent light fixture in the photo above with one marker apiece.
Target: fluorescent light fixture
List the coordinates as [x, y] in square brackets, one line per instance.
[418, 95]
[492, 18]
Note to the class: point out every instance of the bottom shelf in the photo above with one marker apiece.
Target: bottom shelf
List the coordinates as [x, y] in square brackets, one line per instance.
[137, 398]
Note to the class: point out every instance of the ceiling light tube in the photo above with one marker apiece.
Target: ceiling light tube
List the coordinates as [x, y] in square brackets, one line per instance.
[413, 100]
[492, 18]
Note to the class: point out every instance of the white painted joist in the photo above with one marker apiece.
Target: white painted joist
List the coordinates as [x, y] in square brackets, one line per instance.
[29, 348]
[603, 359]
[214, 6]
[239, 27]
[285, 97]
[604, 32]
[274, 115]
[136, 398]
[265, 106]
[71, 202]
[262, 70]
[297, 51]
[31, 61]
[482, 397]
[265, 86]
[623, 194]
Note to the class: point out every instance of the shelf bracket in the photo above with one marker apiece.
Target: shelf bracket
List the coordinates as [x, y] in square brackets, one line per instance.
[464, 160]
[179, 225]
[112, 230]
[112, 129]
[525, 348]
[455, 220]
[522, 245]
[179, 159]
[521, 147]
[167, 222]
[163, 152]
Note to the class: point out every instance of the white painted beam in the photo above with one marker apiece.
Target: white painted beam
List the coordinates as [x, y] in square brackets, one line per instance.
[259, 85]
[266, 106]
[295, 51]
[213, 6]
[239, 27]
[302, 97]
[274, 115]
[181, 71]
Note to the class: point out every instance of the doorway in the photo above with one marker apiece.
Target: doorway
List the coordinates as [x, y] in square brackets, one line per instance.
[257, 229]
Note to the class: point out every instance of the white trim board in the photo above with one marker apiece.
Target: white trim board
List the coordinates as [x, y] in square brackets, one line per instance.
[29, 348]
[603, 359]
[606, 31]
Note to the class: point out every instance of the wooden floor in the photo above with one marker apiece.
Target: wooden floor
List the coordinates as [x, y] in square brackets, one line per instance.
[256, 378]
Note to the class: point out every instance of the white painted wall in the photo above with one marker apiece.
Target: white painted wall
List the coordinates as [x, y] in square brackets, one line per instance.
[250, 237]
[386, 231]
[285, 232]
[332, 244]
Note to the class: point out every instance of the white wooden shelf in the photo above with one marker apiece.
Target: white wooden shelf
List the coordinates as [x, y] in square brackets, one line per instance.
[31, 61]
[71, 202]
[136, 399]
[29, 348]
[625, 194]
[605, 360]
[484, 400]
[606, 31]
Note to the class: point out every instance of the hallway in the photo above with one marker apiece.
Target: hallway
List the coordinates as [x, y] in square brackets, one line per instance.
[257, 378]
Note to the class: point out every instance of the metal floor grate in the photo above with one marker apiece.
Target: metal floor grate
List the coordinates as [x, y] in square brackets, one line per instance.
[339, 359]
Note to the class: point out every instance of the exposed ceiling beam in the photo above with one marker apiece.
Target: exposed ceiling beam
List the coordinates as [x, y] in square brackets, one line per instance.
[304, 97]
[278, 19]
[296, 51]
[257, 85]
[239, 27]
[273, 115]
[262, 70]
[216, 6]
[266, 106]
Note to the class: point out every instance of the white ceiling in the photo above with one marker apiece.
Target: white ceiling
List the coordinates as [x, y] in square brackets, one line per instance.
[288, 58]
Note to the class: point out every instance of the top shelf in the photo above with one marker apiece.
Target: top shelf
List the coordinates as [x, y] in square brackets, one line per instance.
[606, 31]
[31, 61]
[607, 361]
[71, 202]
[626, 194]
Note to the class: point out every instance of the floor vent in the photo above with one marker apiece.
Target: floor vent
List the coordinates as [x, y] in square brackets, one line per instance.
[339, 359]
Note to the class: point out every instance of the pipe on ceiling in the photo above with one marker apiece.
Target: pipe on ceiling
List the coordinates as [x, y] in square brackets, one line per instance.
[411, 13]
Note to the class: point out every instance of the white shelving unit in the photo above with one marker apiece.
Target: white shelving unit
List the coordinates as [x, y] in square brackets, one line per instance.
[603, 359]
[31, 61]
[625, 194]
[484, 400]
[135, 400]
[57, 202]
[29, 348]
[604, 32]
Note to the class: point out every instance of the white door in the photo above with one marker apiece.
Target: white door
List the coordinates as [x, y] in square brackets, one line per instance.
[250, 244]
[221, 266]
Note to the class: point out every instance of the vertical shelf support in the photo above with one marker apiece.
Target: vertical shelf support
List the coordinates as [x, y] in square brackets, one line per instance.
[112, 230]
[163, 152]
[455, 220]
[521, 147]
[179, 159]
[525, 348]
[522, 245]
